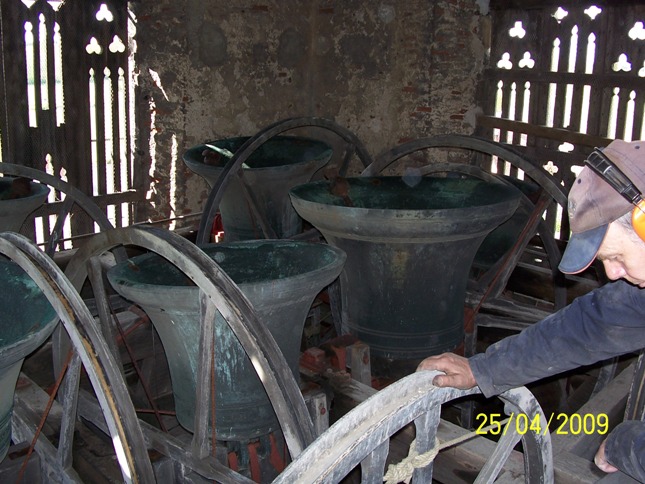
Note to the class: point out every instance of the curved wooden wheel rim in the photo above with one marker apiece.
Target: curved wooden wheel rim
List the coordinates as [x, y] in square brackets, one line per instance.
[99, 364]
[73, 195]
[362, 435]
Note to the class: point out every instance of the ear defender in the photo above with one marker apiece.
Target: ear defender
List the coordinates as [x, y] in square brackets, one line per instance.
[638, 219]
[609, 172]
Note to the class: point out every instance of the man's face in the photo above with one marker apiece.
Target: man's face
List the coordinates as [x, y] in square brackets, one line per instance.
[623, 255]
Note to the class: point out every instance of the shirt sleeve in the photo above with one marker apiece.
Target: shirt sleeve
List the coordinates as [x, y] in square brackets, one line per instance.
[625, 448]
[604, 323]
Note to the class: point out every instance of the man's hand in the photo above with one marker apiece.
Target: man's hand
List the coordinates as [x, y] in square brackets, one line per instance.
[456, 368]
[601, 460]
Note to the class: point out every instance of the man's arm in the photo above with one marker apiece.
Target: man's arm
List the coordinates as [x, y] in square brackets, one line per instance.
[607, 322]
[604, 323]
[625, 448]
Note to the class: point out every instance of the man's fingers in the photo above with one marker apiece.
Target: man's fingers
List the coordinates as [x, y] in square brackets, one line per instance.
[601, 461]
[433, 363]
[606, 467]
[445, 362]
[439, 381]
[454, 381]
[458, 373]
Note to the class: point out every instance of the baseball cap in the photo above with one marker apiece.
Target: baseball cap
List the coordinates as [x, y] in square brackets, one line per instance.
[594, 204]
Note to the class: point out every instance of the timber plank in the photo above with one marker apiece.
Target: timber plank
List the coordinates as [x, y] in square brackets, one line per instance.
[611, 401]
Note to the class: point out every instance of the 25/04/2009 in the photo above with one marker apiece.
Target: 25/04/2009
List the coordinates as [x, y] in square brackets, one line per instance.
[574, 424]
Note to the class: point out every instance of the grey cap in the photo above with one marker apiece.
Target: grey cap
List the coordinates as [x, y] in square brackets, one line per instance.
[594, 204]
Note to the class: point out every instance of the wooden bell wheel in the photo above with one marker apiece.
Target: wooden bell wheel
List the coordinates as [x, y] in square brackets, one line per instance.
[362, 437]
[89, 352]
[73, 198]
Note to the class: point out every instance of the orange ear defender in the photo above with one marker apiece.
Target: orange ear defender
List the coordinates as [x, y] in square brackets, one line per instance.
[638, 219]
[608, 171]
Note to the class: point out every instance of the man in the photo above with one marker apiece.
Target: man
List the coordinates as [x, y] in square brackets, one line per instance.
[604, 323]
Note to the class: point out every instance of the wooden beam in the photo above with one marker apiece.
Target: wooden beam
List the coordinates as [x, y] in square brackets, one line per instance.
[598, 80]
[542, 4]
[462, 462]
[557, 134]
[609, 401]
[358, 360]
[129, 196]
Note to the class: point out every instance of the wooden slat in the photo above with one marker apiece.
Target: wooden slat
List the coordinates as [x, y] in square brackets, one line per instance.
[68, 398]
[205, 371]
[16, 140]
[103, 201]
[559, 134]
[76, 18]
[547, 77]
[373, 466]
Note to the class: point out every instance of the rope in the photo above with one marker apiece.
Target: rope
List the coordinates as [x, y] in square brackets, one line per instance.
[402, 472]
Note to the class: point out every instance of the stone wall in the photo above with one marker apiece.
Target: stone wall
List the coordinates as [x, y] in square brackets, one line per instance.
[389, 71]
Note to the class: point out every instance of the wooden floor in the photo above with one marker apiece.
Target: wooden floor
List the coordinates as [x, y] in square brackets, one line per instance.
[573, 454]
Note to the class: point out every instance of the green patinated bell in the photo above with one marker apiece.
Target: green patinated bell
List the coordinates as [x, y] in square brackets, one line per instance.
[410, 244]
[280, 279]
[27, 321]
[277, 165]
[502, 238]
[18, 200]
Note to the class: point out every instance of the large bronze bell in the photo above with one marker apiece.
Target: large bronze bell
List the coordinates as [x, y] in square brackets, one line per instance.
[410, 244]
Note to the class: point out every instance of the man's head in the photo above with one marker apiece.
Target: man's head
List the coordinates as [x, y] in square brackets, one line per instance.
[622, 252]
[594, 205]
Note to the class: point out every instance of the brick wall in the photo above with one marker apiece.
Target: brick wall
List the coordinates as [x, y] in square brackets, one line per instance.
[388, 71]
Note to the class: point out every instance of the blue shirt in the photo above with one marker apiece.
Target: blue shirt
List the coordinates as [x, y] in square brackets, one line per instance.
[604, 323]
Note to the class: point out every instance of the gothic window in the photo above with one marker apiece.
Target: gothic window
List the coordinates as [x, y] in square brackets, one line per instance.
[67, 104]
[562, 78]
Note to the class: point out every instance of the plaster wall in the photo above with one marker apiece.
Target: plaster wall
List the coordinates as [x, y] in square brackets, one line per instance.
[389, 71]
